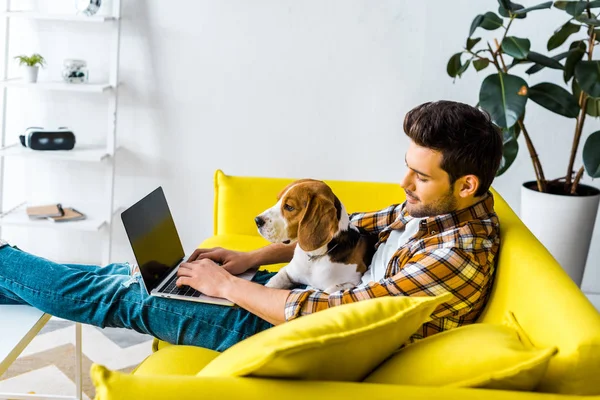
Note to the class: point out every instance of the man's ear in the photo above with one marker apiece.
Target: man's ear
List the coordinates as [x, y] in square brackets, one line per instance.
[318, 224]
[467, 185]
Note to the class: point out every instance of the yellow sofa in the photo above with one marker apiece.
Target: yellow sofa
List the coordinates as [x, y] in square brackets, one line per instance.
[529, 283]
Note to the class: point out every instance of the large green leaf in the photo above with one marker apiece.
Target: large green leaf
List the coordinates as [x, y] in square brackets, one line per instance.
[504, 4]
[593, 103]
[589, 21]
[463, 68]
[503, 96]
[516, 47]
[475, 24]
[576, 53]
[543, 60]
[591, 155]
[542, 6]
[504, 10]
[587, 74]
[562, 5]
[561, 35]
[537, 67]
[453, 65]
[510, 149]
[554, 98]
[491, 21]
[472, 42]
[575, 8]
[481, 64]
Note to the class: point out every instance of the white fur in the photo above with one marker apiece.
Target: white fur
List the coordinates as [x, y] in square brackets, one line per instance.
[320, 273]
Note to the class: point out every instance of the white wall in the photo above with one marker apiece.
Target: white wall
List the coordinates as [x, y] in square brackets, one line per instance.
[269, 88]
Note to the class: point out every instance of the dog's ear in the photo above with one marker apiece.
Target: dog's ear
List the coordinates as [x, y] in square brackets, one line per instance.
[318, 224]
[285, 189]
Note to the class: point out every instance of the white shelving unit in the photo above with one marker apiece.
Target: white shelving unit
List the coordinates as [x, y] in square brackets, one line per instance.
[57, 86]
[58, 17]
[99, 221]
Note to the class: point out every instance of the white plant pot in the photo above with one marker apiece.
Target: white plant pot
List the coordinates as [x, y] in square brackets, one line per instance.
[564, 225]
[30, 74]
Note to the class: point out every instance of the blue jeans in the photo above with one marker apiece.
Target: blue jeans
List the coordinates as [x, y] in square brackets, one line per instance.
[109, 296]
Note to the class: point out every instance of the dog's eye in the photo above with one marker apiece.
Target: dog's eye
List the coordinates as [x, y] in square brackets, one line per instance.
[289, 208]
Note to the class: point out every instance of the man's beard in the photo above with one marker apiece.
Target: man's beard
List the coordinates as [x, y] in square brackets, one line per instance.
[444, 205]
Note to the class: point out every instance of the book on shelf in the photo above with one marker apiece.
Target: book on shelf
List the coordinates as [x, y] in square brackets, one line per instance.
[45, 211]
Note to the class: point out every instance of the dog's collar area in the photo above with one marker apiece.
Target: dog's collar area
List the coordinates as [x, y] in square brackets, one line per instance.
[313, 257]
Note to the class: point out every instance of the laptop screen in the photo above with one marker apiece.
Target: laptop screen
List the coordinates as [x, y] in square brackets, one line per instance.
[153, 237]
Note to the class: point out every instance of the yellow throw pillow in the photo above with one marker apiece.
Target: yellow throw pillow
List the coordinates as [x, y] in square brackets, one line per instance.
[342, 343]
[479, 355]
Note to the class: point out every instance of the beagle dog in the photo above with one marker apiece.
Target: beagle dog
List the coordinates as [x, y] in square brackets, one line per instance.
[331, 253]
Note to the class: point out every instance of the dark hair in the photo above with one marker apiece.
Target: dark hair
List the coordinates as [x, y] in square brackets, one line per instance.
[469, 141]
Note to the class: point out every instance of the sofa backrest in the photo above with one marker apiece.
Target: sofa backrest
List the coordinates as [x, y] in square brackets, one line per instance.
[238, 200]
[529, 282]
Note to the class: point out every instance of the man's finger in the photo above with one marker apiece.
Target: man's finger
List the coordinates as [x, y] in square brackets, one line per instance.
[184, 272]
[183, 281]
[199, 252]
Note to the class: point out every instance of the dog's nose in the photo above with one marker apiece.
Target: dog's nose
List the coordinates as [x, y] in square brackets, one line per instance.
[259, 221]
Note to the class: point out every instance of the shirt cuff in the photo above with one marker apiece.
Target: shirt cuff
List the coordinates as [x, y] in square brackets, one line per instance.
[294, 303]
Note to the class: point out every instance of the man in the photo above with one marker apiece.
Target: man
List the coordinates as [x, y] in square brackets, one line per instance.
[444, 238]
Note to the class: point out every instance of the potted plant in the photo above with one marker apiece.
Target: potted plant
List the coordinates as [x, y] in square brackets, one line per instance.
[559, 211]
[30, 66]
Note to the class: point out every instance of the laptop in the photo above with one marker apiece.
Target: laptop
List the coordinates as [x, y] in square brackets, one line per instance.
[158, 250]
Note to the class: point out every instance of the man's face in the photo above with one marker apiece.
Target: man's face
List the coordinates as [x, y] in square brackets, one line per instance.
[427, 186]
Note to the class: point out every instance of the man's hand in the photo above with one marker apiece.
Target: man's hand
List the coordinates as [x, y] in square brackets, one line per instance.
[205, 276]
[234, 262]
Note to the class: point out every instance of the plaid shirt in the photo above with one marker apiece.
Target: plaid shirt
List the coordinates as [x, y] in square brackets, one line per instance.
[453, 252]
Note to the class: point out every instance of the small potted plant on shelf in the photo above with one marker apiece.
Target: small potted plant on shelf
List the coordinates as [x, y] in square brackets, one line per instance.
[30, 66]
[559, 211]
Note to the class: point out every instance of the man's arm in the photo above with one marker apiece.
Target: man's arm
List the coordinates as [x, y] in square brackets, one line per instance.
[213, 280]
[238, 262]
[267, 303]
[272, 254]
[429, 273]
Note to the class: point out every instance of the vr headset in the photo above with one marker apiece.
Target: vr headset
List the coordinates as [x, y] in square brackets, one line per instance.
[48, 139]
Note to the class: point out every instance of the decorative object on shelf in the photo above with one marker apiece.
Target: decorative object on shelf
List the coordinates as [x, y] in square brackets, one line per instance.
[75, 71]
[88, 7]
[48, 139]
[30, 66]
[504, 95]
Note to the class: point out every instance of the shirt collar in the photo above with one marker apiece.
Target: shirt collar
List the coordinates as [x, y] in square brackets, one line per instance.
[440, 223]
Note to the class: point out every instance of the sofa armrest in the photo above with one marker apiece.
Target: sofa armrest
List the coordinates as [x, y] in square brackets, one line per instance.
[112, 385]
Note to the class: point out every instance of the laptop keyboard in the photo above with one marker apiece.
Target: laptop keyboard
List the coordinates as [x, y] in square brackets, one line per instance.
[171, 288]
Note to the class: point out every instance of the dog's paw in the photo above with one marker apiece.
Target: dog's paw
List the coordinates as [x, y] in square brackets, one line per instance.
[272, 284]
[276, 283]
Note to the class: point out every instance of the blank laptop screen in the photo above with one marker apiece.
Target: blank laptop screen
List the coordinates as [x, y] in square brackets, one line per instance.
[153, 237]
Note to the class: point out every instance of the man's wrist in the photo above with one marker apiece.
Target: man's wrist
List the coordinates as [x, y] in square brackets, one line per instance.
[228, 287]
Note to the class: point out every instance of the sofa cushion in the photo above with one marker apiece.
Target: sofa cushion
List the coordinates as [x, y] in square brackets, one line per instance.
[176, 360]
[342, 343]
[479, 355]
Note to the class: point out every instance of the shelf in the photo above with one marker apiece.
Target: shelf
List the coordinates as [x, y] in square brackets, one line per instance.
[85, 153]
[58, 17]
[58, 85]
[18, 217]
